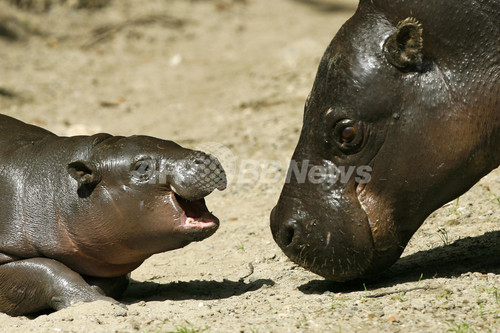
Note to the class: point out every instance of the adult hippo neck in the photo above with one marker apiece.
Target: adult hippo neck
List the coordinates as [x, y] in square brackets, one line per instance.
[415, 100]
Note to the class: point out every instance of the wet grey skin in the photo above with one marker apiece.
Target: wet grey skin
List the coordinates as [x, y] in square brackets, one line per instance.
[411, 90]
[78, 214]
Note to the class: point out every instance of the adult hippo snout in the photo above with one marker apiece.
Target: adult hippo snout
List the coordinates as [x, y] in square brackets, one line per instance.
[322, 227]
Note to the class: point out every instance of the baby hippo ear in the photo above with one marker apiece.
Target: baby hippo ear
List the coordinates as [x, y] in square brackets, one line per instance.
[403, 49]
[86, 175]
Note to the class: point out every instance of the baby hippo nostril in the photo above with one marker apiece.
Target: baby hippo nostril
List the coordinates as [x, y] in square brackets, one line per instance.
[222, 182]
[289, 231]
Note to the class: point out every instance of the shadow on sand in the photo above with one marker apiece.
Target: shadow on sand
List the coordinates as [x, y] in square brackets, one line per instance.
[177, 291]
[472, 254]
[198, 290]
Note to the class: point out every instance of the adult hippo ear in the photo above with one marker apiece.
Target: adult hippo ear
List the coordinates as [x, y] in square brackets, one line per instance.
[404, 48]
[86, 175]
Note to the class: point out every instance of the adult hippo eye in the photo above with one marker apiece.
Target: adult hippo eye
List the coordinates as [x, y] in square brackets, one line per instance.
[143, 170]
[348, 135]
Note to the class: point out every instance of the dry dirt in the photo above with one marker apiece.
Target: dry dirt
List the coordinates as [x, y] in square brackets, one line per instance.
[231, 77]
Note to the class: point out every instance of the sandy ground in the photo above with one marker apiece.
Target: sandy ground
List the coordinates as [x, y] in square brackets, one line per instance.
[231, 77]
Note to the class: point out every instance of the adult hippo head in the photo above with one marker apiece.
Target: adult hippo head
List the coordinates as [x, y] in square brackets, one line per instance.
[403, 117]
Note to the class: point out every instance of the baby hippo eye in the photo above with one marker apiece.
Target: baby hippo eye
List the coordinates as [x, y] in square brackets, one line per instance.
[143, 169]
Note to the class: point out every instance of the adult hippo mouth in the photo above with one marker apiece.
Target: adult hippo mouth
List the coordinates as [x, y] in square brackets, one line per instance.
[330, 235]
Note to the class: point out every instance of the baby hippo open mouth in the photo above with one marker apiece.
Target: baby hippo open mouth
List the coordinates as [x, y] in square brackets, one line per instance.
[194, 178]
[195, 214]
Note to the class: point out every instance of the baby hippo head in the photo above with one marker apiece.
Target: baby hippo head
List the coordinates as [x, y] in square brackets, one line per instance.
[140, 195]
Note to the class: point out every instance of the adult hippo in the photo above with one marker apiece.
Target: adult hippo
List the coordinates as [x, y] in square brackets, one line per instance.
[79, 213]
[408, 90]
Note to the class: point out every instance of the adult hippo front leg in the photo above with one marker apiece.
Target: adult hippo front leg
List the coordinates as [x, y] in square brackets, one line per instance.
[55, 286]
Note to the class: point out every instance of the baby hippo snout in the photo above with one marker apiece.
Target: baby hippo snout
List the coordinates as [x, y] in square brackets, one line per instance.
[197, 175]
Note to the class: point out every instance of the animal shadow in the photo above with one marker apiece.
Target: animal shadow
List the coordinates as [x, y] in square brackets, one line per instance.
[196, 289]
[471, 254]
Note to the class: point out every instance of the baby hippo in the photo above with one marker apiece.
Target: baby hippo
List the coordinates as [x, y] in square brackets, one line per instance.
[77, 214]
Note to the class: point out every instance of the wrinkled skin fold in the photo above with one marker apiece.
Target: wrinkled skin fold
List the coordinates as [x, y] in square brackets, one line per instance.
[415, 99]
[78, 214]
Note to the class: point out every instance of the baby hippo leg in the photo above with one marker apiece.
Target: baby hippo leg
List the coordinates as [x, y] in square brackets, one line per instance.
[36, 284]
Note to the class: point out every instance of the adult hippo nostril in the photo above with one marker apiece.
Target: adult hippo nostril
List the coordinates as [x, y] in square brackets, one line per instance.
[289, 232]
[285, 229]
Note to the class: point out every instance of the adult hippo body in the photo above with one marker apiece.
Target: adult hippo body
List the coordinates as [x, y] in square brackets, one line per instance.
[79, 213]
[410, 91]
